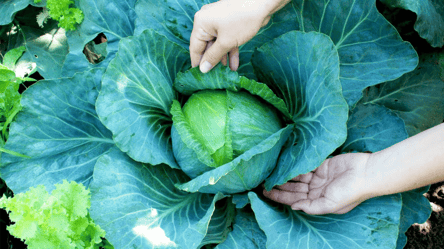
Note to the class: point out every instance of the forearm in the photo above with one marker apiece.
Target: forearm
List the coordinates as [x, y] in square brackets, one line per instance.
[265, 7]
[276, 5]
[415, 162]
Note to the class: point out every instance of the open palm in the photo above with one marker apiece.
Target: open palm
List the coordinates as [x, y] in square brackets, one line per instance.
[337, 186]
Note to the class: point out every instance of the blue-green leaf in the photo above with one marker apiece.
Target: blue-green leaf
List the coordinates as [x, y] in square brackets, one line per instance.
[219, 77]
[430, 18]
[246, 233]
[370, 49]
[137, 94]
[307, 78]
[373, 128]
[47, 48]
[372, 224]
[241, 200]
[8, 9]
[59, 129]
[174, 19]
[416, 97]
[415, 209]
[220, 223]
[139, 207]
[245, 172]
[113, 18]
[11, 57]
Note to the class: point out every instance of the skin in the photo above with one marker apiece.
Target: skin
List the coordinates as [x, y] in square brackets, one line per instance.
[344, 181]
[221, 27]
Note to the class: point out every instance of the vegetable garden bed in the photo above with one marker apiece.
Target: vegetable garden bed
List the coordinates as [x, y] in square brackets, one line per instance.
[99, 147]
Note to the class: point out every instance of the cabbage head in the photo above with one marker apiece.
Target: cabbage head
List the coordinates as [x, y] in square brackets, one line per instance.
[225, 124]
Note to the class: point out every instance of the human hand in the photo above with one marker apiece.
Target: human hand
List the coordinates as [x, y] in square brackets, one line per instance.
[337, 186]
[221, 27]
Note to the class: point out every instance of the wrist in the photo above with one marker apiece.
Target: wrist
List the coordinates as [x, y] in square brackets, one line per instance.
[268, 7]
[371, 186]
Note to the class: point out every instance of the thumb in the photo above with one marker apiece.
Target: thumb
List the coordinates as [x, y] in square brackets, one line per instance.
[318, 206]
[213, 56]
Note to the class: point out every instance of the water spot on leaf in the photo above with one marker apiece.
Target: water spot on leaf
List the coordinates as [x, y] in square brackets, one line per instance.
[212, 181]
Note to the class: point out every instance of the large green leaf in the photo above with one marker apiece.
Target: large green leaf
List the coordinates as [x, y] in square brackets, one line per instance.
[307, 78]
[59, 129]
[8, 9]
[113, 18]
[221, 222]
[370, 49]
[137, 94]
[373, 128]
[416, 97]
[430, 18]
[47, 48]
[372, 224]
[246, 233]
[171, 18]
[139, 207]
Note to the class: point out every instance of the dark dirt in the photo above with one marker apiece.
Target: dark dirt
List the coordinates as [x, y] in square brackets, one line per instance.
[430, 234]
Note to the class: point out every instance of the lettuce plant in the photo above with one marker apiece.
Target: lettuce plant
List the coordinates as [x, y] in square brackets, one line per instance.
[126, 127]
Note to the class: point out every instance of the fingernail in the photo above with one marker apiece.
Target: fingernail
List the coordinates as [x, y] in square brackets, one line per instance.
[205, 67]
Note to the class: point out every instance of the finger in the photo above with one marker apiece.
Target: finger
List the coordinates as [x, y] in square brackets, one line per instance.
[199, 38]
[315, 193]
[198, 43]
[318, 206]
[234, 58]
[224, 60]
[320, 177]
[294, 187]
[284, 197]
[306, 178]
[213, 55]
[197, 48]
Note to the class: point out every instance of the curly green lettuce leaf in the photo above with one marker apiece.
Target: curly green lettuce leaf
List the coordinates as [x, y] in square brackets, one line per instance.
[56, 220]
[62, 11]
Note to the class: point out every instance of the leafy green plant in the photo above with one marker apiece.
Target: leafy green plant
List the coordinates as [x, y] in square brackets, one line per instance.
[9, 94]
[59, 220]
[338, 80]
[63, 12]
